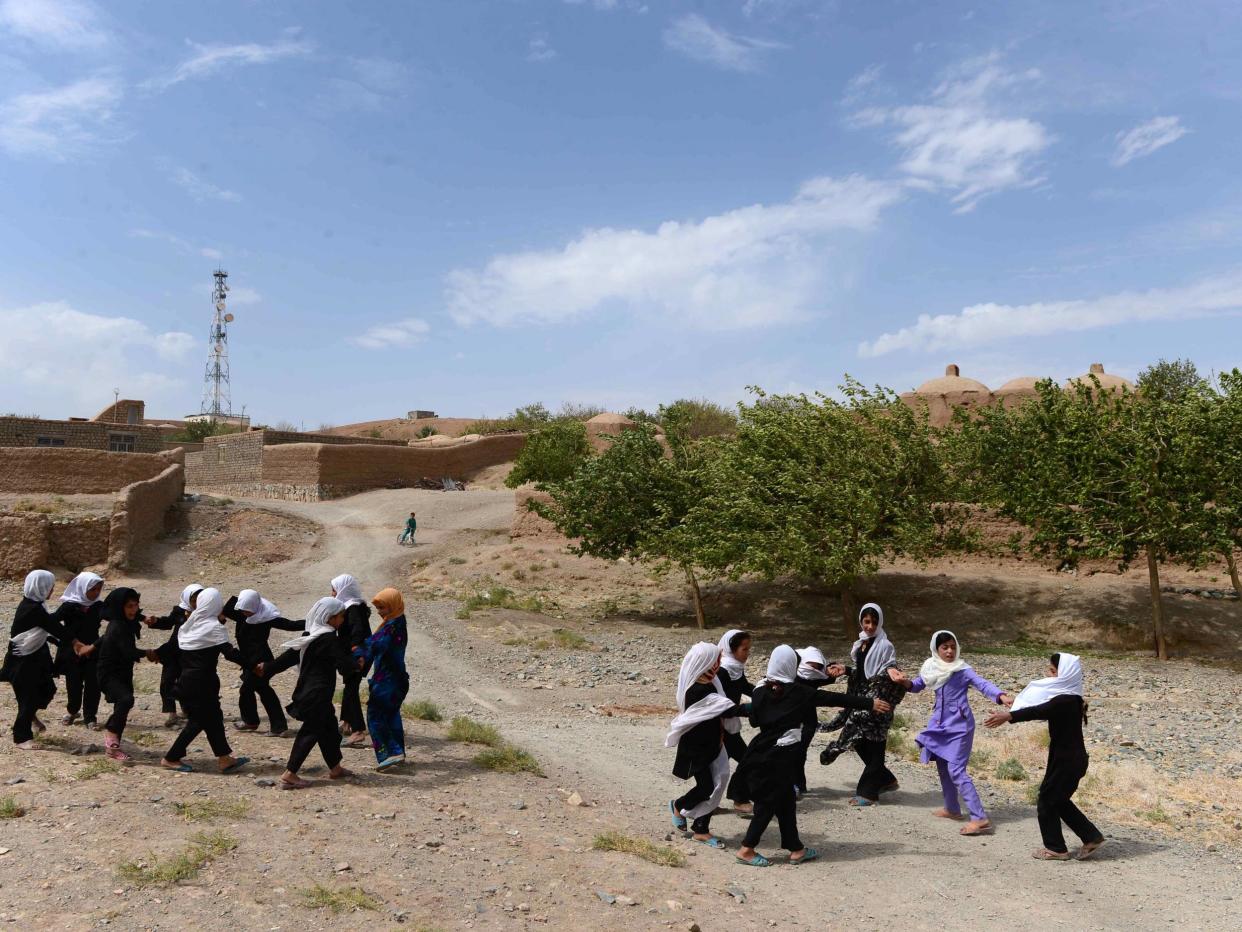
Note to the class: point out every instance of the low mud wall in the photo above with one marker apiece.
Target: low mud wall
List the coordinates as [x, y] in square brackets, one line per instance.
[530, 524]
[140, 513]
[34, 541]
[69, 470]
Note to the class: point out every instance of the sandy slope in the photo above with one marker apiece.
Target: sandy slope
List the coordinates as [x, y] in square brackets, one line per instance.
[488, 857]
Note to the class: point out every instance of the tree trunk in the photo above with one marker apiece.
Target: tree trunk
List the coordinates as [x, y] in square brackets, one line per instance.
[696, 597]
[849, 608]
[1233, 570]
[1157, 605]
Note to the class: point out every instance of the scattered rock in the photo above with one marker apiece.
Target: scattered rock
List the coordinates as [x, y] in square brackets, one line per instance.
[13, 781]
[575, 799]
[736, 892]
[341, 868]
[606, 898]
[623, 900]
[268, 781]
[519, 805]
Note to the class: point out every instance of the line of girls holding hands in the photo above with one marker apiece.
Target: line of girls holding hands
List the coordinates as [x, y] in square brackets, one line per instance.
[770, 775]
[335, 638]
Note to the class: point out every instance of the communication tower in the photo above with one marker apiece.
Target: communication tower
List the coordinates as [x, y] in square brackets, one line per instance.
[217, 402]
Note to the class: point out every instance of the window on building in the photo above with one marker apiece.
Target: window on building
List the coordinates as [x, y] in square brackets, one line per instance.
[122, 443]
[133, 417]
[220, 454]
[49, 441]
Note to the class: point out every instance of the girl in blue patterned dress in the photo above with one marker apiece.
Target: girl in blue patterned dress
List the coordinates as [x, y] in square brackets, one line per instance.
[389, 683]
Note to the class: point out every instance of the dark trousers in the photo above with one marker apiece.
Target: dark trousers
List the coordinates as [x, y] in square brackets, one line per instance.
[700, 792]
[739, 783]
[249, 710]
[351, 704]
[1055, 806]
[82, 687]
[782, 806]
[202, 715]
[120, 714]
[169, 671]
[875, 775]
[317, 728]
[27, 709]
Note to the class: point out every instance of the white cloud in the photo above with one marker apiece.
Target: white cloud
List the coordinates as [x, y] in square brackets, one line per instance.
[200, 189]
[982, 324]
[862, 84]
[540, 49]
[696, 38]
[1146, 138]
[396, 335]
[959, 141]
[116, 351]
[211, 59]
[369, 85]
[748, 267]
[66, 24]
[61, 122]
[172, 239]
[241, 296]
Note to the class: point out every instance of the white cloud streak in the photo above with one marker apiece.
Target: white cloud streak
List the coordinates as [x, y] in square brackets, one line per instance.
[59, 24]
[1144, 139]
[539, 49]
[757, 265]
[181, 245]
[32, 377]
[61, 122]
[213, 59]
[982, 324]
[199, 189]
[399, 334]
[959, 142]
[697, 39]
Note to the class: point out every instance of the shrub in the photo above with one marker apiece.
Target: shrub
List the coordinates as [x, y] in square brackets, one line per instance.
[339, 901]
[1010, 769]
[508, 759]
[639, 847]
[202, 850]
[468, 730]
[9, 809]
[423, 710]
[551, 454]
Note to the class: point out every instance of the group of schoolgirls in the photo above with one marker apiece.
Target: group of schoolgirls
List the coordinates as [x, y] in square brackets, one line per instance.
[770, 776]
[335, 638]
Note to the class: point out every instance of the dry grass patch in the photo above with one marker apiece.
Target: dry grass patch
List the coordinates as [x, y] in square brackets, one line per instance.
[347, 899]
[469, 731]
[203, 848]
[146, 739]
[639, 847]
[9, 809]
[561, 638]
[423, 710]
[95, 768]
[508, 759]
[204, 810]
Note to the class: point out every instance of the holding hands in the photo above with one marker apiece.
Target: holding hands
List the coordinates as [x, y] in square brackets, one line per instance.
[898, 677]
[996, 719]
[836, 669]
[881, 707]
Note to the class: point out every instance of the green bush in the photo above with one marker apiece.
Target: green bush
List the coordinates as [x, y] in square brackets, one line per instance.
[1010, 769]
[551, 454]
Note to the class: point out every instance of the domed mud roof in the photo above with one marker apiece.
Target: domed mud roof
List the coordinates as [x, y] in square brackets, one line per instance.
[952, 383]
[1107, 381]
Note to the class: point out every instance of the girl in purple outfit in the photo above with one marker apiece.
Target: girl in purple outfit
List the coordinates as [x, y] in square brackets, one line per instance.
[950, 731]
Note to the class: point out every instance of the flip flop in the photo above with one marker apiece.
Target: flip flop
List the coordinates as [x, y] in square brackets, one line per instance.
[981, 830]
[757, 861]
[811, 855]
[286, 785]
[712, 842]
[679, 820]
[390, 762]
[236, 765]
[1087, 851]
[180, 768]
[1043, 854]
[862, 801]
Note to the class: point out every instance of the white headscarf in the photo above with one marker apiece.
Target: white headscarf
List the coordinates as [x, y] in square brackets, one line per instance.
[76, 590]
[316, 623]
[38, 585]
[809, 656]
[203, 629]
[730, 664]
[1067, 682]
[261, 610]
[347, 590]
[881, 653]
[37, 588]
[782, 665]
[698, 660]
[935, 672]
[186, 594]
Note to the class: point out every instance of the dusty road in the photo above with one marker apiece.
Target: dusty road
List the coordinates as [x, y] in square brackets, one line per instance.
[448, 846]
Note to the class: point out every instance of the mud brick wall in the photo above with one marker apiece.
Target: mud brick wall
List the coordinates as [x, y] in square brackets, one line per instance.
[311, 471]
[66, 471]
[89, 435]
[139, 515]
[234, 462]
[79, 543]
[527, 523]
[23, 544]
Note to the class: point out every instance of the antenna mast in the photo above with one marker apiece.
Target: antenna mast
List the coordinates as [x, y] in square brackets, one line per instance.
[216, 399]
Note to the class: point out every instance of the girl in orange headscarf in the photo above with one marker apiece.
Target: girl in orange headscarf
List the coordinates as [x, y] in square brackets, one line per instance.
[385, 652]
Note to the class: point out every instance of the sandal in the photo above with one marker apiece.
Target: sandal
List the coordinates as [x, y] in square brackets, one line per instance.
[757, 861]
[390, 762]
[237, 765]
[810, 855]
[946, 814]
[1043, 854]
[974, 829]
[1089, 849]
[712, 842]
[297, 783]
[179, 767]
[863, 801]
[891, 788]
[679, 820]
[67, 718]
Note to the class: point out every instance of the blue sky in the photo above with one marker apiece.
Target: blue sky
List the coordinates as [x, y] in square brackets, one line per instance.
[468, 206]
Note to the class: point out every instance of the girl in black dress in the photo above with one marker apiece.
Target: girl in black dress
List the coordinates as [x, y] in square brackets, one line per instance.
[170, 663]
[256, 617]
[734, 652]
[351, 635]
[27, 660]
[80, 610]
[118, 652]
[1057, 699]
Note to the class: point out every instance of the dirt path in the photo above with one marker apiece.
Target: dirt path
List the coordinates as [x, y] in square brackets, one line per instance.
[449, 846]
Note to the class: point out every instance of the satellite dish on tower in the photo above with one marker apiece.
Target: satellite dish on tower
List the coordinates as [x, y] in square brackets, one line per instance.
[228, 318]
[219, 305]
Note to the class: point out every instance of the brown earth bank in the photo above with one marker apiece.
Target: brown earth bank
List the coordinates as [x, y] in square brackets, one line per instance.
[402, 428]
[446, 844]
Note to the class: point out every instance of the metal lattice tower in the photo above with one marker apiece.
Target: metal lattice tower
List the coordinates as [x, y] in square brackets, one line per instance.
[217, 402]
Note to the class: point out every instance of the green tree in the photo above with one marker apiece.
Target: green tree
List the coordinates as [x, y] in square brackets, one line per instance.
[198, 431]
[630, 501]
[698, 418]
[1221, 416]
[818, 488]
[551, 454]
[1172, 381]
[1094, 473]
